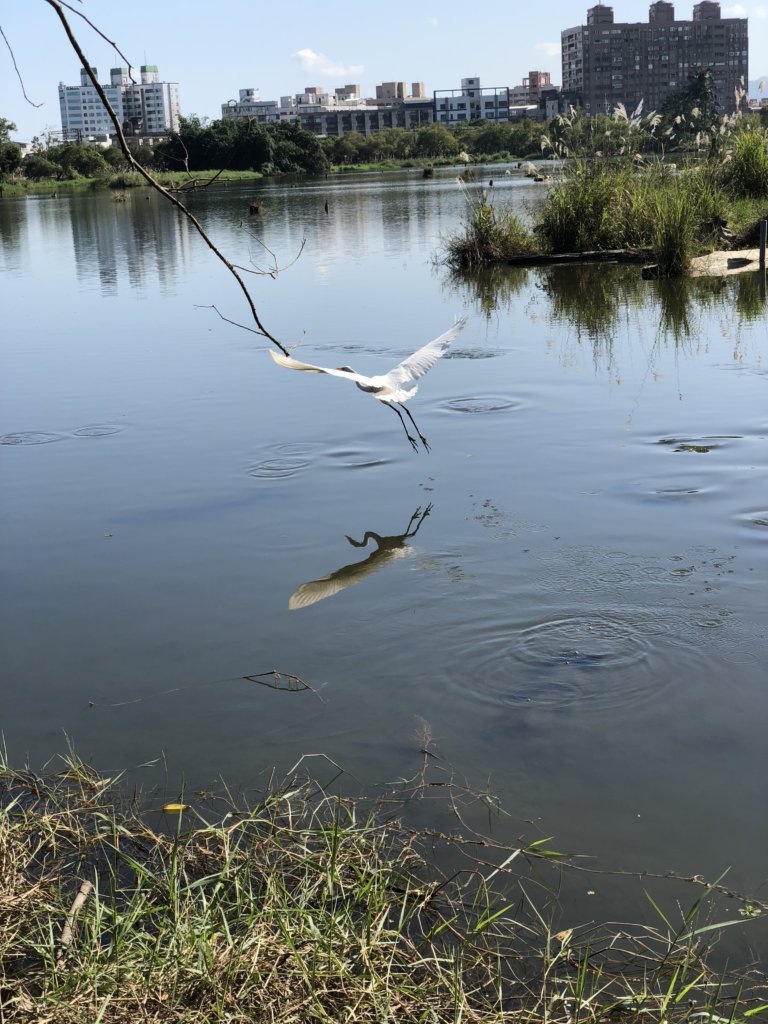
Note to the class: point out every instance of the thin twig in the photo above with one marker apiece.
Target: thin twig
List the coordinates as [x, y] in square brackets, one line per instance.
[16, 69]
[294, 684]
[98, 32]
[227, 320]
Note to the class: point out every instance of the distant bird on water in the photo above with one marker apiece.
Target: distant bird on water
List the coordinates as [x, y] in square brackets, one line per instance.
[393, 388]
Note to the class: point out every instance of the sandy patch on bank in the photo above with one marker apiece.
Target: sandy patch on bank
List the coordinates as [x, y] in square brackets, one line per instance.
[723, 264]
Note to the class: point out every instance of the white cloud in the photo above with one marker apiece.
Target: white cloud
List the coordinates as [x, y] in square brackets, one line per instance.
[318, 63]
[760, 12]
[735, 11]
[548, 49]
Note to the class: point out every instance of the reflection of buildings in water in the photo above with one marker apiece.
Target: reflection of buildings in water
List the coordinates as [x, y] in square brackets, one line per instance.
[387, 549]
[138, 238]
[375, 217]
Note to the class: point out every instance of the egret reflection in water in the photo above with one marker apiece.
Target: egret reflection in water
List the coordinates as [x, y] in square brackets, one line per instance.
[387, 550]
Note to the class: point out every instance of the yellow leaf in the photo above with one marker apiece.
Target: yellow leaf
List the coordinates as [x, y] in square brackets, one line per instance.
[175, 808]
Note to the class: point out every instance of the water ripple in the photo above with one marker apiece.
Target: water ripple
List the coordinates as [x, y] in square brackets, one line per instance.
[699, 445]
[97, 430]
[291, 448]
[353, 458]
[31, 437]
[563, 660]
[755, 518]
[586, 642]
[472, 353]
[482, 404]
[278, 469]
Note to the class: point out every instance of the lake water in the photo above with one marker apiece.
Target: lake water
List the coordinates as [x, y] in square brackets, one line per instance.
[580, 619]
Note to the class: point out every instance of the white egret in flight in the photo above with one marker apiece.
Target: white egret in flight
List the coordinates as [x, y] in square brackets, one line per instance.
[393, 388]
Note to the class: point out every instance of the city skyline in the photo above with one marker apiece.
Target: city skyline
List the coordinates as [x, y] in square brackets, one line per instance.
[212, 59]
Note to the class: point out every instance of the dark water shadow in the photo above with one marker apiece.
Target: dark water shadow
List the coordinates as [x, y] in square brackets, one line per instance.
[597, 300]
[491, 288]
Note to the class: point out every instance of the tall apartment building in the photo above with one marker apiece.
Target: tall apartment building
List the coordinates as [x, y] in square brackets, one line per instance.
[148, 107]
[606, 63]
[453, 106]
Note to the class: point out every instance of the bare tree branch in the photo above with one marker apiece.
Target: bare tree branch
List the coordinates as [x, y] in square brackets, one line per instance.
[98, 32]
[16, 69]
[227, 320]
[58, 7]
[276, 269]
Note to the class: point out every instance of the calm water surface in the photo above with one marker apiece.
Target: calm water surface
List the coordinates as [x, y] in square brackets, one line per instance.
[581, 618]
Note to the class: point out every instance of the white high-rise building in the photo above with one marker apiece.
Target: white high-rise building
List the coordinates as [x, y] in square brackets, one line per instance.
[471, 102]
[148, 107]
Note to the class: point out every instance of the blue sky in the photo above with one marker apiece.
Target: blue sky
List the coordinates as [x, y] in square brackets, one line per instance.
[212, 51]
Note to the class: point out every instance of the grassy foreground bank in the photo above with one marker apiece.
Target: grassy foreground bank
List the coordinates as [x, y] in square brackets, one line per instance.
[307, 907]
[123, 180]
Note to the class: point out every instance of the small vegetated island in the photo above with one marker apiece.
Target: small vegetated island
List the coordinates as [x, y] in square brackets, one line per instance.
[618, 191]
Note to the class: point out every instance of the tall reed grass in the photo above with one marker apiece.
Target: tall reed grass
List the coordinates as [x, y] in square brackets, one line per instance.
[600, 205]
[490, 235]
[744, 171]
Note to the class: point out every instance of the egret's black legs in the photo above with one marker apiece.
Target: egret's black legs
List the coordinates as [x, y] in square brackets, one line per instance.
[414, 443]
[413, 421]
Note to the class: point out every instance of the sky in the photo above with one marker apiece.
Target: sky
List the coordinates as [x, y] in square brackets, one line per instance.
[213, 52]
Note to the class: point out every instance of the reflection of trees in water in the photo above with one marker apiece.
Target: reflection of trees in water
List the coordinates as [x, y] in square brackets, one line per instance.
[674, 303]
[750, 298]
[682, 301]
[598, 302]
[593, 300]
[491, 287]
[11, 216]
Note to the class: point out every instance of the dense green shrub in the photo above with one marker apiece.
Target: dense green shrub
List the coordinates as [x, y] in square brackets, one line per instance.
[490, 235]
[744, 171]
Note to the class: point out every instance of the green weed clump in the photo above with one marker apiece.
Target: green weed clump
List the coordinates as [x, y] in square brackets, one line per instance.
[306, 907]
[673, 232]
[744, 171]
[598, 205]
[615, 205]
[585, 209]
[490, 235]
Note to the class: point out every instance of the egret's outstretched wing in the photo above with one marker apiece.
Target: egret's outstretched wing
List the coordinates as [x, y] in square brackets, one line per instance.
[423, 359]
[317, 590]
[294, 364]
[347, 576]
